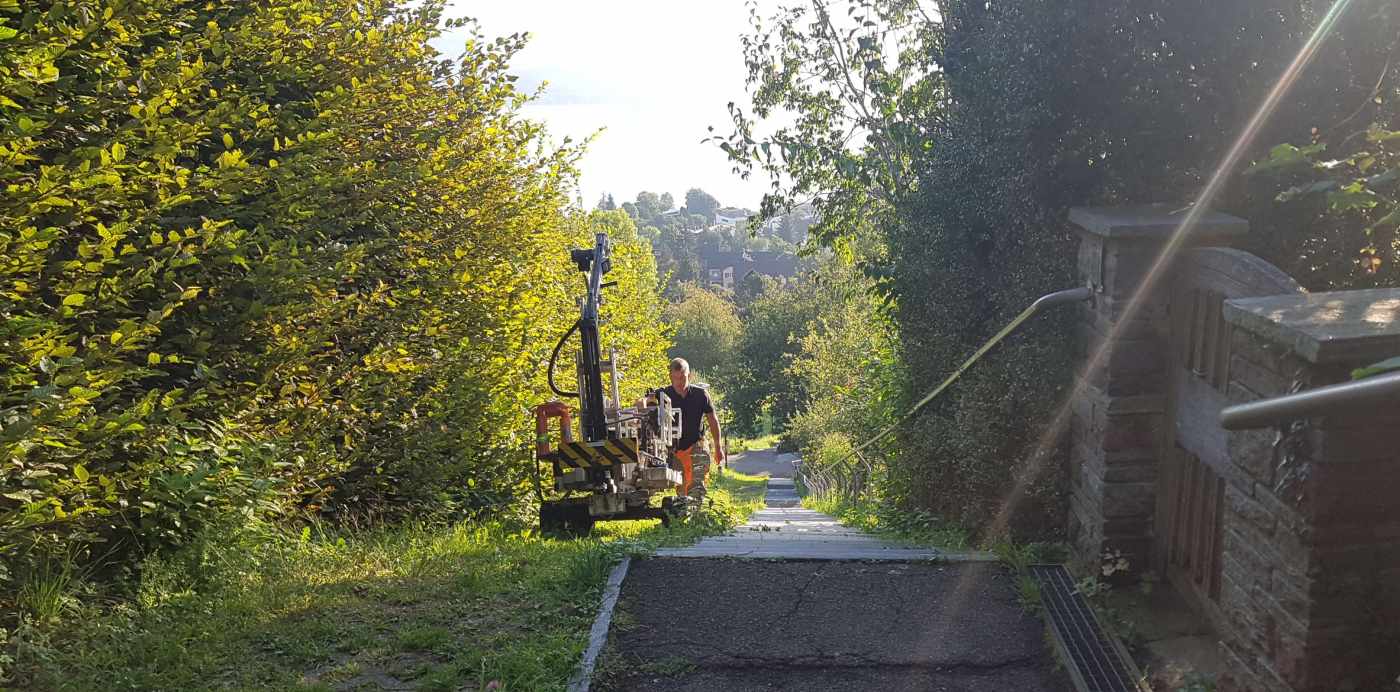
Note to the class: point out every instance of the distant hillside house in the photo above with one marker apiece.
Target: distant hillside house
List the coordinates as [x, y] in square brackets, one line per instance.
[727, 269]
[731, 217]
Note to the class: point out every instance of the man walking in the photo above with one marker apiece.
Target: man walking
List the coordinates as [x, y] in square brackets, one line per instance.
[691, 451]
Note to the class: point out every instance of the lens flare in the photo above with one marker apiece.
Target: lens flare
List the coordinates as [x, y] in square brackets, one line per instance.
[1031, 466]
[1174, 243]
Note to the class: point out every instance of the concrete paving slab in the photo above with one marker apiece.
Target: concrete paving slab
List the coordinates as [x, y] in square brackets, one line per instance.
[814, 605]
[785, 531]
[764, 462]
[713, 625]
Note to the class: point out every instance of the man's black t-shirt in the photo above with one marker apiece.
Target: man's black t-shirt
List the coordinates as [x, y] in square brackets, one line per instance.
[694, 405]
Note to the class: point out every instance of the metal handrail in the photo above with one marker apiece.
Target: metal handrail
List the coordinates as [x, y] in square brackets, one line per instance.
[1314, 402]
[1073, 295]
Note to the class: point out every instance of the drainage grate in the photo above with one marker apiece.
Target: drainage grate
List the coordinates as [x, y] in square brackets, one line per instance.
[1095, 661]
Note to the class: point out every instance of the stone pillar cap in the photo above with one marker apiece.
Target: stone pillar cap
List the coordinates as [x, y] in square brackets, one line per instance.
[1339, 327]
[1154, 222]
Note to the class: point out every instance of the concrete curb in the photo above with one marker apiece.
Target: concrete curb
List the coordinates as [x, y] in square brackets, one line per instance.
[598, 636]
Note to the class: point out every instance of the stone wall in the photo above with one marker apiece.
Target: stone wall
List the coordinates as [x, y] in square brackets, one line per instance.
[1311, 597]
[1264, 609]
[1116, 424]
[1308, 545]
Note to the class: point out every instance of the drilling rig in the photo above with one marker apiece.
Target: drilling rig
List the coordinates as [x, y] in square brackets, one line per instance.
[619, 460]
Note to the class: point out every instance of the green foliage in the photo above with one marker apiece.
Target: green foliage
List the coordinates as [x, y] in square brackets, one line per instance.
[681, 238]
[698, 203]
[846, 363]
[649, 207]
[1028, 594]
[46, 588]
[1357, 187]
[883, 517]
[758, 384]
[707, 328]
[854, 74]
[847, 368]
[744, 444]
[1322, 205]
[1387, 365]
[941, 210]
[1018, 557]
[432, 605]
[274, 258]
[976, 128]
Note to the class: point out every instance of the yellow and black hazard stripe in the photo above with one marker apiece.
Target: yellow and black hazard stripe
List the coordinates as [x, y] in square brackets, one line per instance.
[582, 455]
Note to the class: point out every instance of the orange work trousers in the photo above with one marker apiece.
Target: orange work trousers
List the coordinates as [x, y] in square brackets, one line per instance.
[694, 465]
[687, 469]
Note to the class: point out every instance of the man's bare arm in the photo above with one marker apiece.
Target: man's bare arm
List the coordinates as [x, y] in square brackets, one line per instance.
[719, 439]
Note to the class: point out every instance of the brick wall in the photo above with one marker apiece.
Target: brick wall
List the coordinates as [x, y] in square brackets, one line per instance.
[1264, 605]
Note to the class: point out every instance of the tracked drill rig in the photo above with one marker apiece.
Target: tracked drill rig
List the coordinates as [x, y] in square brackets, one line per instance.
[619, 460]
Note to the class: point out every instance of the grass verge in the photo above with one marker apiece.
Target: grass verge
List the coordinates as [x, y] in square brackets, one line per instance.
[741, 444]
[426, 607]
[887, 521]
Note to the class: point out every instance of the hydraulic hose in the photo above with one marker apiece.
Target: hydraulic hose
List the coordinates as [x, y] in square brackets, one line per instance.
[555, 356]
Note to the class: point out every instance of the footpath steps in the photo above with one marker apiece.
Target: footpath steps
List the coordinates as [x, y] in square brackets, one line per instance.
[793, 600]
[784, 530]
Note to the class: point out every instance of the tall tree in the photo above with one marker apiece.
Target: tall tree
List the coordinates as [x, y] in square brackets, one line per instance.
[964, 135]
[707, 327]
[856, 74]
[701, 203]
[648, 207]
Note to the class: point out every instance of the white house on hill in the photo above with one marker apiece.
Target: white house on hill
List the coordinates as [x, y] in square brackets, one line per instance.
[731, 216]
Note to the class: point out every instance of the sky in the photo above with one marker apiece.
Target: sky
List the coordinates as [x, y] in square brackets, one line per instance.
[653, 74]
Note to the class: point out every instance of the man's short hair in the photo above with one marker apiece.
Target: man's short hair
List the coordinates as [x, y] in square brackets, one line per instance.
[680, 365]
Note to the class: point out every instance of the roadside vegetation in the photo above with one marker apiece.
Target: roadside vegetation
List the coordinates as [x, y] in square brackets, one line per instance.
[278, 282]
[942, 146]
[885, 519]
[275, 264]
[432, 606]
[745, 444]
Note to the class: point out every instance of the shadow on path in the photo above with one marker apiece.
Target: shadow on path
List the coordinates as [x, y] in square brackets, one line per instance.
[840, 610]
[710, 625]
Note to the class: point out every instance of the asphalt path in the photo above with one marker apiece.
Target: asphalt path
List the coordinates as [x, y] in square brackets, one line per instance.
[697, 623]
[702, 625]
[761, 462]
[786, 530]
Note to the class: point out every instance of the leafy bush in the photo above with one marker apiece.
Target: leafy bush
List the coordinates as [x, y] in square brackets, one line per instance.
[980, 125]
[1052, 105]
[707, 329]
[276, 257]
[1352, 186]
[759, 386]
[845, 363]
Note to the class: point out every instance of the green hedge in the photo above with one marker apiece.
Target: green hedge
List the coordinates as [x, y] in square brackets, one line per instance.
[272, 257]
[1052, 104]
